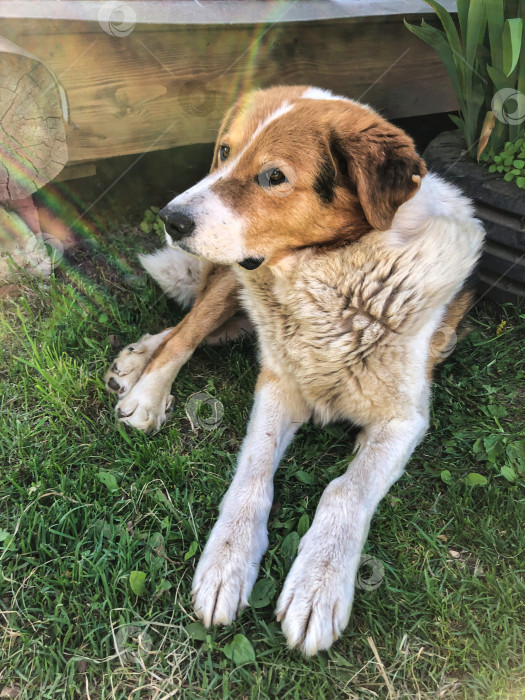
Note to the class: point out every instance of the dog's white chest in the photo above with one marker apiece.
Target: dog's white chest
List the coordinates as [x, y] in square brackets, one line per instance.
[333, 335]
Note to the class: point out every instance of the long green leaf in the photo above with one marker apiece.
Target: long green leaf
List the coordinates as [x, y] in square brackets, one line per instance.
[518, 130]
[495, 20]
[474, 115]
[477, 21]
[499, 78]
[463, 6]
[458, 122]
[451, 33]
[437, 40]
[521, 69]
[498, 138]
[512, 38]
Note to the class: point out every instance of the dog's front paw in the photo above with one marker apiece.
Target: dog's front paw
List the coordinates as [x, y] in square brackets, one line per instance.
[314, 606]
[126, 370]
[145, 406]
[227, 571]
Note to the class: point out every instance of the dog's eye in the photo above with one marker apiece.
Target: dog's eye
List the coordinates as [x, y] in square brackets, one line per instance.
[276, 177]
[224, 152]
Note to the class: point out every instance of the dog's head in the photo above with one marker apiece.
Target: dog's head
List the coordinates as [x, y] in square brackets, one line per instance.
[294, 167]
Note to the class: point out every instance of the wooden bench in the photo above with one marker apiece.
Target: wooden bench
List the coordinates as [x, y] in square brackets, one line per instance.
[148, 75]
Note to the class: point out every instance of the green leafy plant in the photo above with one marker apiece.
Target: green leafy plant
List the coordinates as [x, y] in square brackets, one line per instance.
[510, 161]
[485, 61]
[151, 222]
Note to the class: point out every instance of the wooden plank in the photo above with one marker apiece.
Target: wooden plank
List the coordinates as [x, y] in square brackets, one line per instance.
[170, 86]
[225, 12]
[75, 171]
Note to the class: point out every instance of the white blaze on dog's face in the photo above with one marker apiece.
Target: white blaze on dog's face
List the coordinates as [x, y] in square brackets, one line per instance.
[294, 167]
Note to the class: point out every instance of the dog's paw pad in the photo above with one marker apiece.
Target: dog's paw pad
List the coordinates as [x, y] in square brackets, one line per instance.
[314, 606]
[220, 592]
[127, 369]
[227, 569]
[144, 407]
[114, 386]
[124, 413]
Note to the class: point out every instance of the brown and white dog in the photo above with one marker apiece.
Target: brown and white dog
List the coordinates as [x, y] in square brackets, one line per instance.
[319, 219]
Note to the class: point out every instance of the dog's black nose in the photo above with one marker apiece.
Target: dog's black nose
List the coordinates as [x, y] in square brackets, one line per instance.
[178, 225]
[251, 263]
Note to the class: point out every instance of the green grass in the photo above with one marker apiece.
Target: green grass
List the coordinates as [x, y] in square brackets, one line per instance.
[84, 503]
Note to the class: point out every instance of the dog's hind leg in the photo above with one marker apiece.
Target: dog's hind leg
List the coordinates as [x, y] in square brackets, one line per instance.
[145, 403]
[444, 338]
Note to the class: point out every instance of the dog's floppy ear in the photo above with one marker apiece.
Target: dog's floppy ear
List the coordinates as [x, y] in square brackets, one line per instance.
[382, 165]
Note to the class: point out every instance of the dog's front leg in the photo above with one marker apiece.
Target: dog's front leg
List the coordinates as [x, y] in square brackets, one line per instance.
[229, 564]
[156, 360]
[314, 606]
